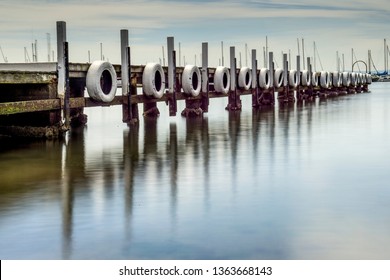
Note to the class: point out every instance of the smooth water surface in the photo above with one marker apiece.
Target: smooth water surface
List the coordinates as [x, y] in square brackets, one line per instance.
[306, 181]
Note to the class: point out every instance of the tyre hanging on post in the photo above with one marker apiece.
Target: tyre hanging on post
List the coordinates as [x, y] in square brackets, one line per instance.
[191, 80]
[101, 81]
[222, 80]
[245, 78]
[264, 78]
[153, 80]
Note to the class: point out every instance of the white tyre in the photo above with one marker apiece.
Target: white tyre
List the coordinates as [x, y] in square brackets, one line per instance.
[101, 81]
[153, 80]
[369, 79]
[361, 78]
[264, 78]
[306, 78]
[245, 78]
[222, 79]
[316, 79]
[353, 79]
[346, 79]
[191, 80]
[364, 78]
[278, 77]
[324, 79]
[293, 78]
[330, 81]
[335, 78]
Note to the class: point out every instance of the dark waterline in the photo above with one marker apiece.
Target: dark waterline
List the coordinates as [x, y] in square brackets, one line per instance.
[301, 182]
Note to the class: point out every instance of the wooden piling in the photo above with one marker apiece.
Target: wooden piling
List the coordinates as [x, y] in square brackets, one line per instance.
[172, 100]
[234, 101]
[255, 87]
[205, 78]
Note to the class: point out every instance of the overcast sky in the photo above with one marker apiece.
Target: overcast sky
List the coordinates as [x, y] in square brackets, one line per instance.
[335, 25]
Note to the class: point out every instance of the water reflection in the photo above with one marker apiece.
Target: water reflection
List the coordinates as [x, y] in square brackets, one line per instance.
[283, 183]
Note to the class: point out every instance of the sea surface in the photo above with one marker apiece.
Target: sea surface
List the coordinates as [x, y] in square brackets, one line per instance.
[307, 181]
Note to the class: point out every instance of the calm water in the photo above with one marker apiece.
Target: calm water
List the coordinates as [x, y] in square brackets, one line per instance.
[303, 182]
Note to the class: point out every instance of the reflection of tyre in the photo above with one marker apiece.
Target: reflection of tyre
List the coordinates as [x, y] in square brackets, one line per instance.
[264, 78]
[101, 81]
[278, 77]
[306, 78]
[222, 79]
[153, 80]
[191, 80]
[245, 78]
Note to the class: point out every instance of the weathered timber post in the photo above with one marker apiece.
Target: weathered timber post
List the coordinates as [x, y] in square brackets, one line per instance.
[172, 100]
[67, 87]
[205, 78]
[62, 73]
[255, 88]
[61, 39]
[309, 92]
[267, 97]
[129, 110]
[298, 89]
[234, 98]
[126, 112]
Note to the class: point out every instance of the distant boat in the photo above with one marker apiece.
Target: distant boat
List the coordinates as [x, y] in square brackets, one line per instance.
[384, 78]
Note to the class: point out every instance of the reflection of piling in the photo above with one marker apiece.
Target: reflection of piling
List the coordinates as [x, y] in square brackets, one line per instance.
[73, 170]
[130, 166]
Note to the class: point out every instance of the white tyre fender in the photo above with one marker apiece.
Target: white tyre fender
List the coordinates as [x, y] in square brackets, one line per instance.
[191, 80]
[353, 79]
[305, 78]
[346, 79]
[364, 78]
[330, 81]
[101, 81]
[335, 78]
[293, 78]
[369, 79]
[245, 78]
[324, 79]
[360, 78]
[316, 79]
[278, 77]
[153, 80]
[264, 78]
[222, 79]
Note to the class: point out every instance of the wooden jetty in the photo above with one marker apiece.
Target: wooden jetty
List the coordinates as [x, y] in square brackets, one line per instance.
[46, 99]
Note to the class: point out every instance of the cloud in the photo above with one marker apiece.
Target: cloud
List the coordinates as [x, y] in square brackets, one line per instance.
[334, 24]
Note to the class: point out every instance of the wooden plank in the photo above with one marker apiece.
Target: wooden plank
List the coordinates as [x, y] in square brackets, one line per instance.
[41, 67]
[18, 77]
[9, 108]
